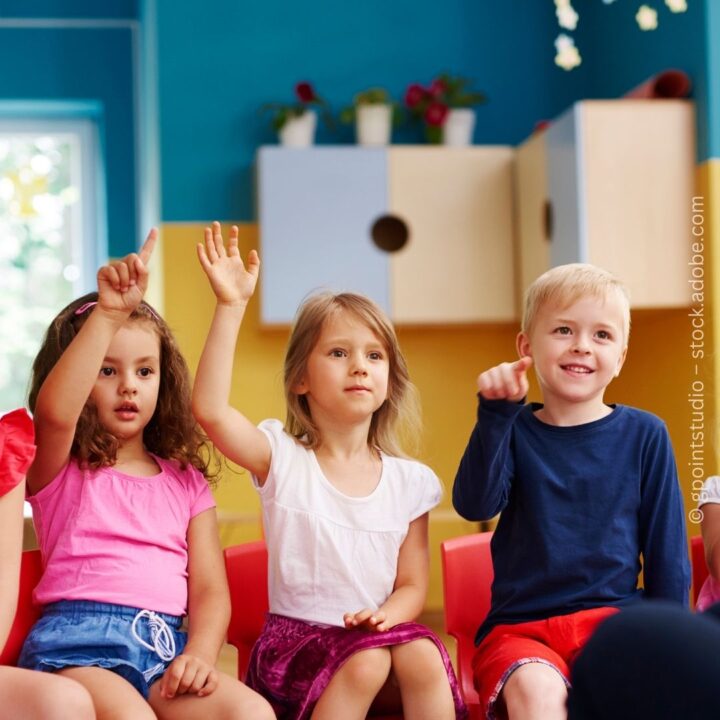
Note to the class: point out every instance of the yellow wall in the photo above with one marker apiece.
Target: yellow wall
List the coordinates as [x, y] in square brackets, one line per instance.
[444, 363]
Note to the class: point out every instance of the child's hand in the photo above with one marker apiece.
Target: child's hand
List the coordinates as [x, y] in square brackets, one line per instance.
[122, 284]
[188, 674]
[366, 619]
[507, 381]
[231, 282]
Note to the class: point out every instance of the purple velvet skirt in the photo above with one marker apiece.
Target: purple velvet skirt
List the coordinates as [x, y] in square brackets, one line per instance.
[293, 662]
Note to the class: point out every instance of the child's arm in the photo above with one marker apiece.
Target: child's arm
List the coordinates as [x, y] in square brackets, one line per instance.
[233, 284]
[408, 597]
[666, 568]
[11, 532]
[121, 286]
[481, 484]
[711, 538]
[208, 612]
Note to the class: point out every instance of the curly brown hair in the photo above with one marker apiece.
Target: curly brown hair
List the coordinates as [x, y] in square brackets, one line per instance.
[172, 433]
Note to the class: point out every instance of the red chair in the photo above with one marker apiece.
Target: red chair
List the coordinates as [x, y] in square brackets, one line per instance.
[467, 577]
[699, 566]
[246, 567]
[26, 613]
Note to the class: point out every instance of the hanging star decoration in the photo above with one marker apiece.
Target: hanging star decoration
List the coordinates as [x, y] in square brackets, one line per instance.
[566, 14]
[646, 18]
[567, 54]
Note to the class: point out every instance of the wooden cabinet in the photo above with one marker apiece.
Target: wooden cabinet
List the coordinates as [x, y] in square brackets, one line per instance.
[611, 183]
[450, 220]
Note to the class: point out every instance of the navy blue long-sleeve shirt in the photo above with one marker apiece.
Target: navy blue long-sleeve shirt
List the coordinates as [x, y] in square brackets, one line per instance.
[580, 505]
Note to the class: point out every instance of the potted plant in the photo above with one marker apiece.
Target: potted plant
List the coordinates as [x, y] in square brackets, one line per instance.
[445, 106]
[373, 112]
[296, 122]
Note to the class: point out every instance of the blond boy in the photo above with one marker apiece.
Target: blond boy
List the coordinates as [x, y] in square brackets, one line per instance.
[585, 490]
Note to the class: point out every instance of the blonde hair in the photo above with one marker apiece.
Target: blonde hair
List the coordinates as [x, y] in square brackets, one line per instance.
[565, 284]
[398, 416]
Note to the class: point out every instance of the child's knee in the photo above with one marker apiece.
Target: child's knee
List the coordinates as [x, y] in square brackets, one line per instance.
[367, 668]
[69, 701]
[535, 685]
[419, 658]
[256, 708]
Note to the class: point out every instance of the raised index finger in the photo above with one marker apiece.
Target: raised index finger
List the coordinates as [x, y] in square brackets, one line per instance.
[522, 365]
[148, 246]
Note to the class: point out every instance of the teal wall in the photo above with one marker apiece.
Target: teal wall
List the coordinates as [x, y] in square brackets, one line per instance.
[106, 9]
[712, 42]
[220, 60]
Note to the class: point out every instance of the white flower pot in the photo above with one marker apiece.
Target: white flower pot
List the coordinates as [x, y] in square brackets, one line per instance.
[299, 131]
[459, 126]
[373, 124]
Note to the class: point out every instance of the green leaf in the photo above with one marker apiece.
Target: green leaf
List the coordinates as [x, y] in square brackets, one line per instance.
[433, 134]
[347, 115]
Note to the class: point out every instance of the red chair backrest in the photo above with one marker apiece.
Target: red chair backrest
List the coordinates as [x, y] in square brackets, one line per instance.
[246, 567]
[467, 577]
[699, 566]
[26, 614]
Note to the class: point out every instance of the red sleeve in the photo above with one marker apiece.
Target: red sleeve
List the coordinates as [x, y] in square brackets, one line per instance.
[17, 448]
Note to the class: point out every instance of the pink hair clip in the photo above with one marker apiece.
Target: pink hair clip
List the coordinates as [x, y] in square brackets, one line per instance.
[86, 306]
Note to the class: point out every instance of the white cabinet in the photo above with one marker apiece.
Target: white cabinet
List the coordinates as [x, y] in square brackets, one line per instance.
[611, 183]
[446, 215]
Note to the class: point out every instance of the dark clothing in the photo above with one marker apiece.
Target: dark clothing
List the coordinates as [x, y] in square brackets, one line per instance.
[654, 660]
[579, 506]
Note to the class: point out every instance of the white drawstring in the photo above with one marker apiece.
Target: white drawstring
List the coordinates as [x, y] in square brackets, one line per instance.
[161, 635]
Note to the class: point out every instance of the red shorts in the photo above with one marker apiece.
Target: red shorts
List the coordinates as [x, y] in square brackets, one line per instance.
[554, 642]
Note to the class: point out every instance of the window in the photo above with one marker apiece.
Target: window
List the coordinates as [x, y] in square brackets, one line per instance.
[50, 246]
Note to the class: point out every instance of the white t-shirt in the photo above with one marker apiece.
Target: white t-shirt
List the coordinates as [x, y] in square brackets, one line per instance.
[710, 492]
[710, 591]
[329, 553]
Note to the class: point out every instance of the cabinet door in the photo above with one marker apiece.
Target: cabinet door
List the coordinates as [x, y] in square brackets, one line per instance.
[533, 215]
[316, 209]
[639, 168]
[565, 179]
[457, 265]
[621, 182]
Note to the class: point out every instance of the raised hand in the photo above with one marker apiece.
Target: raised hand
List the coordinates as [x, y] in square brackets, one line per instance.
[507, 381]
[366, 619]
[122, 283]
[232, 282]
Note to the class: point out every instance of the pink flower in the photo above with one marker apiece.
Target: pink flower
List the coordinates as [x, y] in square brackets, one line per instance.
[436, 113]
[414, 95]
[437, 88]
[305, 92]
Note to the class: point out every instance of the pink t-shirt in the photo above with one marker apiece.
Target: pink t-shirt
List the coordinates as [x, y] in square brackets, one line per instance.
[116, 538]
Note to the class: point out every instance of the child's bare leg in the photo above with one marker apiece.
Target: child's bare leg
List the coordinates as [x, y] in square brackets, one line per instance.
[535, 691]
[354, 686]
[113, 696]
[231, 700]
[42, 696]
[423, 681]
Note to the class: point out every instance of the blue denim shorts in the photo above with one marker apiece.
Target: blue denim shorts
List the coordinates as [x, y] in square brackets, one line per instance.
[136, 644]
